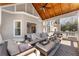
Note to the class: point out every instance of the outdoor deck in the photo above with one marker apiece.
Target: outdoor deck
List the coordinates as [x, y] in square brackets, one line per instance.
[68, 48]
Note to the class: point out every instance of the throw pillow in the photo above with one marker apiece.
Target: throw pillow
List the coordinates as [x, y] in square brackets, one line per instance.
[23, 47]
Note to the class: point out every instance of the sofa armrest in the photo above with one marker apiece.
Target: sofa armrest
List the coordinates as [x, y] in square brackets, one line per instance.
[26, 53]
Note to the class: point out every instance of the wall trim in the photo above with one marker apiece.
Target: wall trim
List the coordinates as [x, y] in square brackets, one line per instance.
[8, 5]
[11, 12]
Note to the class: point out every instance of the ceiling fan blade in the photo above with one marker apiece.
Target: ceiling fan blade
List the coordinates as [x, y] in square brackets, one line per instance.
[48, 7]
[43, 4]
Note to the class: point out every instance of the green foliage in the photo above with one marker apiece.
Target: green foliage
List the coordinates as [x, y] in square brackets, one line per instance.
[69, 26]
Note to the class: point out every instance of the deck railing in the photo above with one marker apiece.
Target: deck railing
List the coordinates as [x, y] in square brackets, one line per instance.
[71, 34]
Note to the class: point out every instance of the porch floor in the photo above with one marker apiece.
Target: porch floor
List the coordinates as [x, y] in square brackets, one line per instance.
[68, 48]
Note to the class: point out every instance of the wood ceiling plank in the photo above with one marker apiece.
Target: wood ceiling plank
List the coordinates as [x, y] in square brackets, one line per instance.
[65, 7]
[74, 6]
[49, 12]
[55, 9]
[37, 7]
[61, 9]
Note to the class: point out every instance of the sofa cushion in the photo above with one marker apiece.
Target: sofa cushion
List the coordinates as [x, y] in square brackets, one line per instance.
[23, 47]
[34, 37]
[44, 35]
[12, 47]
[28, 35]
[38, 36]
[3, 49]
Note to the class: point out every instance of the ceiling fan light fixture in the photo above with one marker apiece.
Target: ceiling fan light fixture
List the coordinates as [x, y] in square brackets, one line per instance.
[42, 9]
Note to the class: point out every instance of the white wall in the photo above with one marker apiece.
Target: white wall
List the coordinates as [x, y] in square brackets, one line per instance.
[0, 20]
[27, 7]
[36, 21]
[7, 25]
[10, 8]
[20, 7]
[0, 16]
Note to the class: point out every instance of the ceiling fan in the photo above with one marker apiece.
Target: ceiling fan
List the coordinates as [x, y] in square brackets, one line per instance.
[44, 6]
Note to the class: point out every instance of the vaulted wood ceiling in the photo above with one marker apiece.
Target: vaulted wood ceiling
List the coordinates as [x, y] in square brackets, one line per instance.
[54, 9]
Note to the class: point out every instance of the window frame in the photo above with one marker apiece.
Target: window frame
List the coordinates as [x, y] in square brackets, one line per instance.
[14, 22]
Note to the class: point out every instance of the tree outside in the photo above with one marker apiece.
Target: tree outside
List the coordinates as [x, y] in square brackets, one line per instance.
[70, 26]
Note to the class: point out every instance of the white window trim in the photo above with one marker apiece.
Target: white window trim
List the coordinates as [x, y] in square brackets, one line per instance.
[14, 28]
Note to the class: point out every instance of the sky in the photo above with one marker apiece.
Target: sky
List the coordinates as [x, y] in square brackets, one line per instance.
[67, 19]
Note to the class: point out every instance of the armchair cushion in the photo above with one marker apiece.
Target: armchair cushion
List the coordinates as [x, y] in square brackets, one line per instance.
[3, 49]
[12, 47]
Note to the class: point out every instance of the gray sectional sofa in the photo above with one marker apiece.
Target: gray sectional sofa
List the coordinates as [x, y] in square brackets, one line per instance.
[11, 48]
[52, 46]
[36, 37]
[36, 40]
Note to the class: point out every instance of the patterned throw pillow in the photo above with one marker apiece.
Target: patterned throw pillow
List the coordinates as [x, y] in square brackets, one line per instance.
[23, 47]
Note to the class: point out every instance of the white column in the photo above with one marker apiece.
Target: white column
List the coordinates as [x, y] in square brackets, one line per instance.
[78, 20]
[78, 25]
[59, 24]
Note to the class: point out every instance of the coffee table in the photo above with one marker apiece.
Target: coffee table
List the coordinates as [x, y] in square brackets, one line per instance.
[48, 49]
